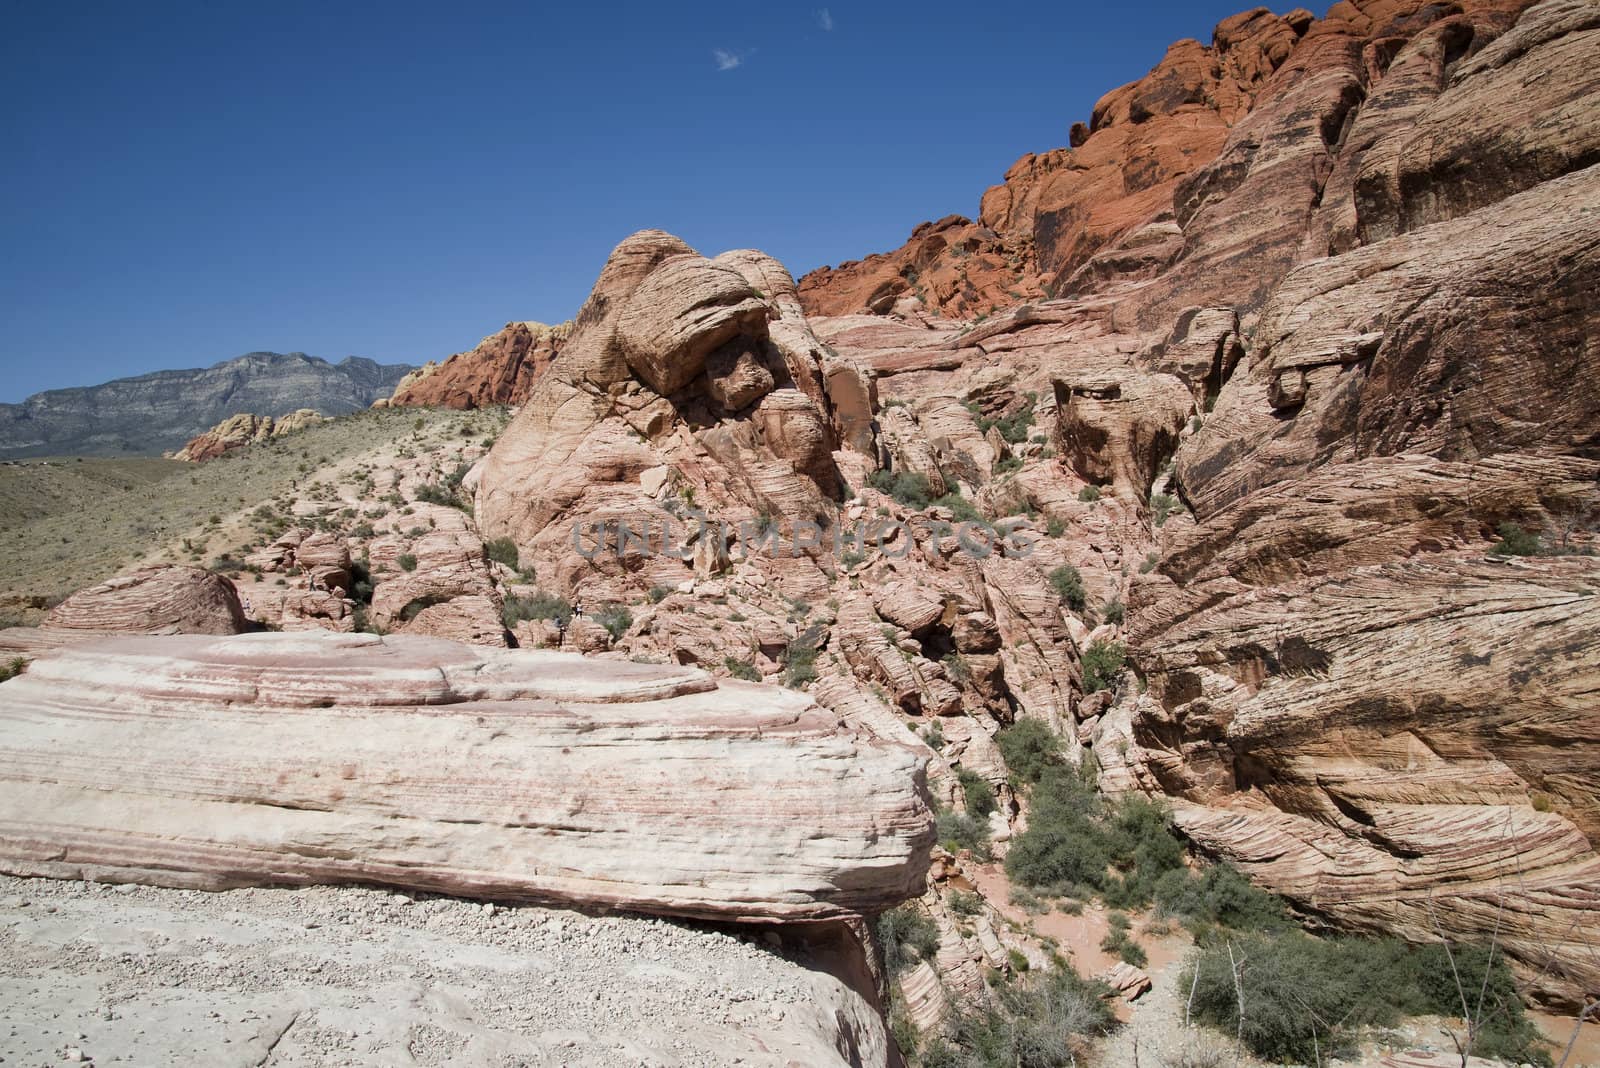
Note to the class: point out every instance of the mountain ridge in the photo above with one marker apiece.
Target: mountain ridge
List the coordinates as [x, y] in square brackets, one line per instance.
[159, 411]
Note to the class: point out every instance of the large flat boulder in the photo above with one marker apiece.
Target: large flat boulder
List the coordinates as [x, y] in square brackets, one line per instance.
[430, 765]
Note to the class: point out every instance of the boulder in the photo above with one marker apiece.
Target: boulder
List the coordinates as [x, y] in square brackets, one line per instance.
[166, 599]
[427, 765]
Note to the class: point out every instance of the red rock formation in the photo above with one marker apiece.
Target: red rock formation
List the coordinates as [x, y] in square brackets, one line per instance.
[1217, 157]
[501, 370]
[167, 599]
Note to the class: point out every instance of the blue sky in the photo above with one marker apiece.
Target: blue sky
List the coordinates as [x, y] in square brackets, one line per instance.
[184, 183]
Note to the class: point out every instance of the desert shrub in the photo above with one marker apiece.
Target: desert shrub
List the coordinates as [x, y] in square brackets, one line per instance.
[1119, 940]
[1162, 505]
[10, 669]
[1150, 562]
[536, 605]
[957, 668]
[1102, 663]
[963, 510]
[1068, 584]
[852, 559]
[1029, 747]
[964, 904]
[933, 734]
[800, 661]
[979, 794]
[407, 562]
[1307, 997]
[615, 618]
[1008, 465]
[908, 487]
[957, 831]
[1514, 541]
[1114, 612]
[503, 551]
[907, 935]
[1089, 494]
[429, 493]
[658, 594]
[741, 669]
[1037, 1021]
[1120, 848]
[1218, 897]
[1014, 427]
[1055, 527]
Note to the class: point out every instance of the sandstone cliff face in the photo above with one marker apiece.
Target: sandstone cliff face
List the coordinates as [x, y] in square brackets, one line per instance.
[244, 429]
[501, 370]
[1209, 165]
[155, 413]
[1372, 300]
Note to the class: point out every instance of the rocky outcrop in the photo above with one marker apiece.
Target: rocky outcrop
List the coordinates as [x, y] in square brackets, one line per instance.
[679, 371]
[501, 370]
[423, 764]
[155, 413]
[237, 431]
[1205, 174]
[154, 600]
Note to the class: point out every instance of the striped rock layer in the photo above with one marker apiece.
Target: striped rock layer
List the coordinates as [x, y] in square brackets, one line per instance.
[428, 765]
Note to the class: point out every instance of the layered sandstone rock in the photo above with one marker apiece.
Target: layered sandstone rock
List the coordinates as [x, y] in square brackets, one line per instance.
[240, 430]
[154, 600]
[429, 765]
[682, 372]
[501, 370]
[1205, 174]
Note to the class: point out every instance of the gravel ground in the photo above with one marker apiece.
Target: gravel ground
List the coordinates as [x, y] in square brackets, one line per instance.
[349, 976]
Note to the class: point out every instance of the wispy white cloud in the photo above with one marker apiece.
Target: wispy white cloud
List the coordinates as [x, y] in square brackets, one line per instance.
[825, 20]
[727, 60]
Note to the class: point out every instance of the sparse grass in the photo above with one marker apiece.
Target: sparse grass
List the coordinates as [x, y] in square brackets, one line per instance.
[117, 510]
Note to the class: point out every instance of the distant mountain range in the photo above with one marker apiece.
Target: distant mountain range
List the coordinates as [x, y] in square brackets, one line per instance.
[152, 413]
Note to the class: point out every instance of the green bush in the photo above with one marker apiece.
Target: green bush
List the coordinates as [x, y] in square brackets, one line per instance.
[957, 831]
[1055, 527]
[407, 562]
[963, 510]
[1037, 1021]
[1089, 494]
[428, 493]
[908, 487]
[1008, 465]
[1119, 940]
[1114, 612]
[503, 551]
[800, 662]
[615, 618]
[741, 669]
[1514, 541]
[1218, 897]
[1068, 584]
[1120, 848]
[964, 904]
[12, 668]
[980, 795]
[1162, 505]
[536, 605]
[1307, 997]
[658, 594]
[1029, 748]
[1102, 664]
[907, 935]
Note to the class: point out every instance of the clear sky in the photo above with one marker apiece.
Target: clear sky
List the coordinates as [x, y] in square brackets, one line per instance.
[182, 183]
